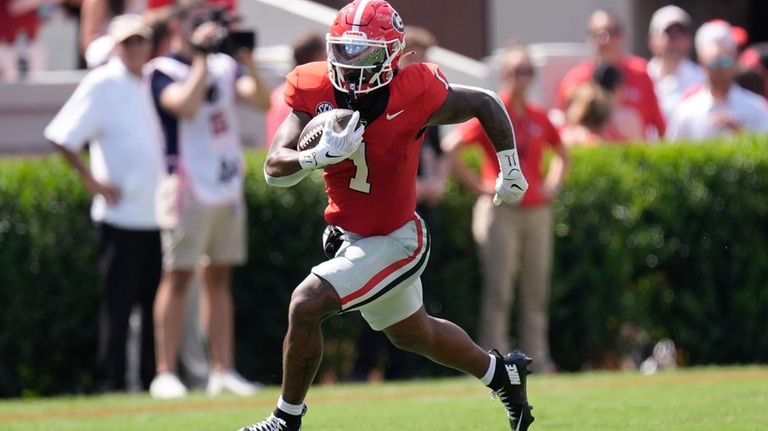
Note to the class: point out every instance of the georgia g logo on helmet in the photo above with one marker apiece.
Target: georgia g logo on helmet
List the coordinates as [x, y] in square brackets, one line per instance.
[364, 46]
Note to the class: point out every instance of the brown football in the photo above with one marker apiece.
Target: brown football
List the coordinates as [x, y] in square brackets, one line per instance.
[313, 131]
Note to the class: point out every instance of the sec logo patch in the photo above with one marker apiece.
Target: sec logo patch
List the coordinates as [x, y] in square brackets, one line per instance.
[323, 107]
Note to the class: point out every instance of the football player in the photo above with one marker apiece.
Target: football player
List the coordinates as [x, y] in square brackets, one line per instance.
[377, 245]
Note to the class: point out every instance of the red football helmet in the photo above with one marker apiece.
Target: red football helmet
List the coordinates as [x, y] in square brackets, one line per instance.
[364, 46]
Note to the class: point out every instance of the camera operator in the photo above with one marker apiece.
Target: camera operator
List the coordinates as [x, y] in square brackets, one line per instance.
[195, 90]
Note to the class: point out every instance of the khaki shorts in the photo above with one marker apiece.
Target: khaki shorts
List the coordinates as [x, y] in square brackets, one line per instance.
[379, 275]
[206, 234]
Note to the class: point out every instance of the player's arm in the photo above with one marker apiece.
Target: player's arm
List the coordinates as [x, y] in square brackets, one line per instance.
[286, 166]
[463, 103]
[282, 167]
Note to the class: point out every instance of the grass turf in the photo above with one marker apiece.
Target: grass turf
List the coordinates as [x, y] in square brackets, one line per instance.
[700, 399]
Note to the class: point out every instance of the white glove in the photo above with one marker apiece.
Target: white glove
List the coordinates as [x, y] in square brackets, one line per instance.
[333, 147]
[511, 184]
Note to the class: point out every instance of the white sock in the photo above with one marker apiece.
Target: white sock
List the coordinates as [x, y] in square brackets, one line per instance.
[486, 379]
[291, 409]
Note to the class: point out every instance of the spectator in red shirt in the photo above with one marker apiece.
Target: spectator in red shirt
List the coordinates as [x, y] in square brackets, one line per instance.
[20, 51]
[606, 35]
[514, 239]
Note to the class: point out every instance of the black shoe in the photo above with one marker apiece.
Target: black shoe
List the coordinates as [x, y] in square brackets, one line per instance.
[278, 421]
[509, 386]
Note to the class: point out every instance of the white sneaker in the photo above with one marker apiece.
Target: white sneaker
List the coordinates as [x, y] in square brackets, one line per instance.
[232, 381]
[167, 385]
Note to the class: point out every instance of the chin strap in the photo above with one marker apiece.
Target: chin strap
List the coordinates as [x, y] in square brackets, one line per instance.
[352, 96]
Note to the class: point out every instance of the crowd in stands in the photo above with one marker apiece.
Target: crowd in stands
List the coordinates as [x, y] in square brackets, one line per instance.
[702, 81]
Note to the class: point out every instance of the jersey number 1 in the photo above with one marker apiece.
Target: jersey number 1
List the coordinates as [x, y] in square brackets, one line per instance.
[360, 181]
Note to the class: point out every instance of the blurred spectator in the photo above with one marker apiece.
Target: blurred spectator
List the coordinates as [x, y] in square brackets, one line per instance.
[624, 123]
[195, 90]
[719, 108]
[372, 347]
[308, 47]
[753, 69]
[20, 50]
[96, 14]
[672, 71]
[111, 109]
[606, 35]
[515, 239]
[587, 116]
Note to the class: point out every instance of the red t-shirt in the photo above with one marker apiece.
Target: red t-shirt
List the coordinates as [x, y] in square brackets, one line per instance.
[637, 89]
[374, 191]
[11, 26]
[533, 135]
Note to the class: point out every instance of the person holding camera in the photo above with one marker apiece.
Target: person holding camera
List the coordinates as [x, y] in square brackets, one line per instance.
[195, 90]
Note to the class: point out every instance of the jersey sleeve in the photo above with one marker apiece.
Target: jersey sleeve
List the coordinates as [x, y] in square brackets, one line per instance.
[292, 94]
[435, 88]
[78, 120]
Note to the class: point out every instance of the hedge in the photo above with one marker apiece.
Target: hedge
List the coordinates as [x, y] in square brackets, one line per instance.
[651, 241]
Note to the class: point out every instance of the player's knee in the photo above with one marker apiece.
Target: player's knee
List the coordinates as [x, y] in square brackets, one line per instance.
[415, 338]
[312, 302]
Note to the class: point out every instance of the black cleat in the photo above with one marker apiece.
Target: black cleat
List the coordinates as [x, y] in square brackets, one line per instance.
[278, 421]
[509, 385]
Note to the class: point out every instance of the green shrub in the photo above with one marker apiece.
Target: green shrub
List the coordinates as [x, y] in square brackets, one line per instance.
[668, 239]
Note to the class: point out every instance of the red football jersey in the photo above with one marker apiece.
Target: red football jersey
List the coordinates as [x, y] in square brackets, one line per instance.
[374, 191]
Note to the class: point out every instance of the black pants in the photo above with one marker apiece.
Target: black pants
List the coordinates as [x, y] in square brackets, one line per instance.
[130, 264]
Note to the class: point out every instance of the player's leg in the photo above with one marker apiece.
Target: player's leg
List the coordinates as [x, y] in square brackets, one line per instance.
[313, 301]
[446, 343]
[439, 340]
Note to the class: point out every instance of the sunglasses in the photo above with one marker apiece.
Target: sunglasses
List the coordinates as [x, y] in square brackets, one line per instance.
[611, 31]
[521, 72]
[721, 62]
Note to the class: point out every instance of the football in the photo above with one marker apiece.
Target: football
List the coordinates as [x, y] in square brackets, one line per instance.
[313, 131]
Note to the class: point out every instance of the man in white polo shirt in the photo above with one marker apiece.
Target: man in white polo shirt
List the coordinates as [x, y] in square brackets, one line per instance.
[673, 74]
[721, 107]
[112, 110]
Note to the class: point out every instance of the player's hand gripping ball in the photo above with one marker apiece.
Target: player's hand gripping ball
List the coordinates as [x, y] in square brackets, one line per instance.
[329, 138]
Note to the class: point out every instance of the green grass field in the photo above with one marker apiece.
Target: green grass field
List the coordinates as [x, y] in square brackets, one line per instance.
[701, 399]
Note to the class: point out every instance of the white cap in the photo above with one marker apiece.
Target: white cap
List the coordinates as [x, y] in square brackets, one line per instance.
[124, 26]
[715, 31]
[665, 17]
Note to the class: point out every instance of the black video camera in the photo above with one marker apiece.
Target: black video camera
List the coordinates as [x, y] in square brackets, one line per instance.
[229, 42]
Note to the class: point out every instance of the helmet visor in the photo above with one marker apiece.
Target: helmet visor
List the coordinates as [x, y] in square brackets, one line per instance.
[357, 55]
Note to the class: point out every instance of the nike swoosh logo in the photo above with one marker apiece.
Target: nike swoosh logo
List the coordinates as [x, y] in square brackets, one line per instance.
[332, 156]
[392, 116]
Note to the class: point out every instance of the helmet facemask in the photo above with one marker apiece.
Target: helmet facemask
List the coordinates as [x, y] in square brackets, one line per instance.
[359, 65]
